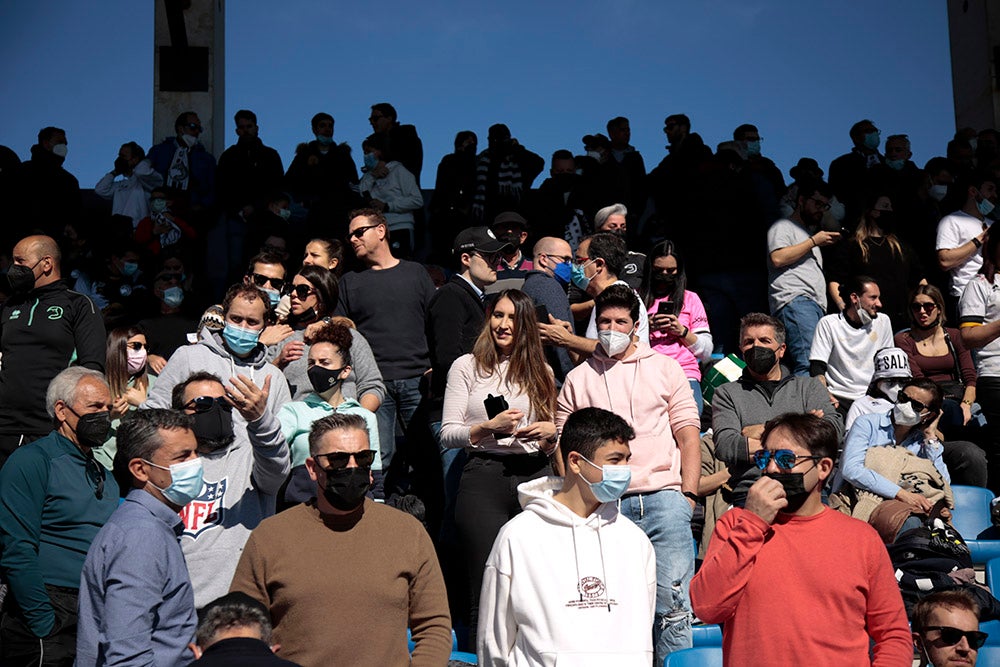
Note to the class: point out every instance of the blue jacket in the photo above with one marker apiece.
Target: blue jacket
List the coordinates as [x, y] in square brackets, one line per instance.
[201, 184]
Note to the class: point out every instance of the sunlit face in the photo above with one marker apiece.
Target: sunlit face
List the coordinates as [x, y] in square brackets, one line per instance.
[481, 269]
[326, 355]
[615, 318]
[870, 300]
[502, 325]
[614, 223]
[302, 304]
[924, 311]
[936, 649]
[317, 255]
[246, 314]
[365, 236]
[761, 336]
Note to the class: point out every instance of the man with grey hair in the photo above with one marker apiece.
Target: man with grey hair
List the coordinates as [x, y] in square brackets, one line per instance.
[136, 601]
[54, 498]
[235, 631]
[614, 220]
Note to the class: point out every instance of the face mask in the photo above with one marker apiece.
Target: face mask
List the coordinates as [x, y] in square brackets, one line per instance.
[21, 278]
[346, 488]
[173, 296]
[324, 141]
[753, 148]
[121, 165]
[371, 161]
[974, 144]
[129, 269]
[663, 283]
[324, 379]
[614, 481]
[189, 140]
[904, 414]
[795, 489]
[760, 360]
[872, 140]
[136, 360]
[563, 272]
[595, 155]
[158, 205]
[578, 276]
[241, 341]
[613, 342]
[92, 429]
[897, 165]
[214, 428]
[864, 316]
[564, 182]
[60, 150]
[985, 206]
[186, 480]
[938, 191]
[285, 213]
[890, 389]
[273, 295]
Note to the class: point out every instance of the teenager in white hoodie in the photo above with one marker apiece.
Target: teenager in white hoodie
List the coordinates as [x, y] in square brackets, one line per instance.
[570, 581]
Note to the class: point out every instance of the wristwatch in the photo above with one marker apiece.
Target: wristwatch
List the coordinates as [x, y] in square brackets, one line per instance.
[692, 495]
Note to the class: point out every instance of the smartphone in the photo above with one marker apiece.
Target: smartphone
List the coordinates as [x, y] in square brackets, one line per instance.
[666, 308]
[494, 405]
[542, 313]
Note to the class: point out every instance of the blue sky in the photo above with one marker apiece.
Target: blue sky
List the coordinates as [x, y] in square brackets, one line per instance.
[803, 72]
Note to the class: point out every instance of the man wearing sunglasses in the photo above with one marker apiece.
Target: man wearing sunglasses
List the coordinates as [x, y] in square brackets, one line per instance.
[355, 564]
[781, 563]
[184, 162]
[946, 629]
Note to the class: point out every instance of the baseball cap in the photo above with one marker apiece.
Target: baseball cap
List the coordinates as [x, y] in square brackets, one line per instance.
[480, 239]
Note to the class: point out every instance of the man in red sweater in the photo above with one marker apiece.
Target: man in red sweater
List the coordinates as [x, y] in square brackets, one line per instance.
[794, 581]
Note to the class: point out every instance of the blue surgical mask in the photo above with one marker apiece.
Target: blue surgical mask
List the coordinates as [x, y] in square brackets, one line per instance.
[563, 272]
[173, 296]
[285, 213]
[872, 140]
[896, 165]
[274, 296]
[241, 341]
[578, 277]
[324, 141]
[371, 161]
[186, 481]
[985, 206]
[614, 482]
[753, 148]
[129, 269]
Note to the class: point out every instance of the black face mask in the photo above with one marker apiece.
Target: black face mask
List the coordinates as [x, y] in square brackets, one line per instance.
[306, 316]
[663, 283]
[92, 429]
[214, 428]
[564, 182]
[760, 360]
[21, 278]
[323, 379]
[513, 238]
[886, 221]
[346, 488]
[795, 489]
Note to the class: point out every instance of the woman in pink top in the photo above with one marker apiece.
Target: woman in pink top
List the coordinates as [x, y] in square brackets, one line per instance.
[678, 325]
[507, 444]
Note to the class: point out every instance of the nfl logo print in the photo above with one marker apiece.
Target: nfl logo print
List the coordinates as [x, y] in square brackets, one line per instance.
[206, 510]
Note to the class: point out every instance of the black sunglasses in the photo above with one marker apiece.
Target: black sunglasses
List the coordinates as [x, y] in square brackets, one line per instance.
[136, 346]
[785, 459]
[205, 403]
[951, 636]
[359, 232]
[339, 460]
[917, 405]
[261, 280]
[301, 292]
[926, 307]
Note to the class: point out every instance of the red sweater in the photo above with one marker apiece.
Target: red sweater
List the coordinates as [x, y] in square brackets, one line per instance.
[803, 591]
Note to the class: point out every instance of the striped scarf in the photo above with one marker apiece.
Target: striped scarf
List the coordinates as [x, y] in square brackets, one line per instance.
[509, 181]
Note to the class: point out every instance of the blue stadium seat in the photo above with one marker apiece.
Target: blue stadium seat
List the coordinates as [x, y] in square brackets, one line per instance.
[988, 655]
[703, 656]
[991, 628]
[464, 657]
[411, 643]
[971, 517]
[708, 635]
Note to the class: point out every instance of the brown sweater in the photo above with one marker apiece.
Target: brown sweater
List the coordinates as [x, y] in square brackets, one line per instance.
[343, 590]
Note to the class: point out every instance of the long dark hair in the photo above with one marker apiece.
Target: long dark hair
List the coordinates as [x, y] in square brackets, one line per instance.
[324, 281]
[664, 249]
[527, 368]
[116, 363]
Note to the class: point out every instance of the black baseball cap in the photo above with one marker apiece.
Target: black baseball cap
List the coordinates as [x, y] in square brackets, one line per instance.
[479, 239]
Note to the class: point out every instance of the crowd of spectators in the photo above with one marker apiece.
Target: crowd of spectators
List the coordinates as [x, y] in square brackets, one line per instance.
[312, 403]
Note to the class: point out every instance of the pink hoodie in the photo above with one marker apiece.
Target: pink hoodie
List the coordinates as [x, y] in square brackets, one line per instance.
[650, 391]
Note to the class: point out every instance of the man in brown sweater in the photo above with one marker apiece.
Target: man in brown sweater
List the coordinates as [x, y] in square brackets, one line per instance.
[342, 576]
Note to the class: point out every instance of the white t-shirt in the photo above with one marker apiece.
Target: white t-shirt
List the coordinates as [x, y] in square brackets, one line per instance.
[642, 332]
[803, 277]
[980, 304]
[954, 230]
[849, 353]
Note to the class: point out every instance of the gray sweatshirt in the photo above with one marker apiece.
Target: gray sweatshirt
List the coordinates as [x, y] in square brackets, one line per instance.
[365, 377]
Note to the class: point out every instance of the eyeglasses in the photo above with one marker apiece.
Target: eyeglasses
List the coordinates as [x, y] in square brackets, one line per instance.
[785, 459]
[204, 403]
[261, 280]
[359, 232]
[339, 460]
[95, 474]
[135, 346]
[581, 260]
[562, 258]
[820, 204]
[300, 292]
[194, 126]
[951, 636]
[904, 398]
[927, 307]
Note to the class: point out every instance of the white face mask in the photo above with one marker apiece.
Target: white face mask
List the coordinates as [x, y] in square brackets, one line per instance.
[904, 414]
[60, 150]
[938, 191]
[613, 342]
[189, 140]
[863, 315]
[891, 389]
[594, 154]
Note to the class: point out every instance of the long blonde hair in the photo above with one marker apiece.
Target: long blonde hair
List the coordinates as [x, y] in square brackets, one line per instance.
[527, 368]
[866, 229]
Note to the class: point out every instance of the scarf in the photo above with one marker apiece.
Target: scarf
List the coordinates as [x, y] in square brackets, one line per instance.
[509, 181]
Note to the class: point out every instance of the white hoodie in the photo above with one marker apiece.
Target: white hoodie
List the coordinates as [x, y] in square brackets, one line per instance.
[560, 589]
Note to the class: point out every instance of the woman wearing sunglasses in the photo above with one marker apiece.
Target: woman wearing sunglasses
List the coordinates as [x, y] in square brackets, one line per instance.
[328, 366]
[509, 441]
[939, 353]
[126, 371]
[909, 425]
[314, 291]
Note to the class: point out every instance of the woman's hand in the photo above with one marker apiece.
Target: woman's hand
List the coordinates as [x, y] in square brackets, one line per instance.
[134, 395]
[504, 423]
[156, 363]
[538, 431]
[671, 325]
[274, 334]
[917, 502]
[966, 413]
[119, 407]
[292, 351]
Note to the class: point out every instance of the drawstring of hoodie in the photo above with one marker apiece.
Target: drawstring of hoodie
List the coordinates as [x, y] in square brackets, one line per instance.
[607, 387]
[604, 570]
[576, 559]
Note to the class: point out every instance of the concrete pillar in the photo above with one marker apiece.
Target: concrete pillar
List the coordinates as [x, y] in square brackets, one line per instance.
[189, 68]
[974, 33]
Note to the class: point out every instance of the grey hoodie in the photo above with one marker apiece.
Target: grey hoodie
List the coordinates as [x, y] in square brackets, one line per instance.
[241, 481]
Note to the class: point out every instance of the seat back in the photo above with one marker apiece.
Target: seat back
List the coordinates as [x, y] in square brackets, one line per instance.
[703, 656]
[971, 515]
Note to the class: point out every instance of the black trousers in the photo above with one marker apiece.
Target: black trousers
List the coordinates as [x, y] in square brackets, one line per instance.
[8, 443]
[988, 396]
[20, 647]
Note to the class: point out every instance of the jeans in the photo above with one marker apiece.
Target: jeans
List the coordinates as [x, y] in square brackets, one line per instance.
[665, 517]
[400, 402]
[696, 390]
[800, 317]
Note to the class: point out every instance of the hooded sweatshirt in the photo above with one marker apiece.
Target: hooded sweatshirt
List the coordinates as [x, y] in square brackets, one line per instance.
[650, 391]
[588, 601]
[242, 480]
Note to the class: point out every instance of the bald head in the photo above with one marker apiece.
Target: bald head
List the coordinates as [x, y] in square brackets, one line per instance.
[550, 251]
[41, 254]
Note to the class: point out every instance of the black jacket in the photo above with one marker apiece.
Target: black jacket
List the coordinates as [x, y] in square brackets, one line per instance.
[42, 333]
[241, 652]
[247, 174]
[47, 194]
[455, 317]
